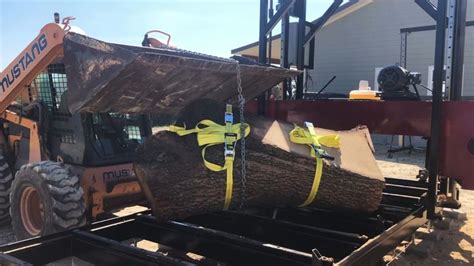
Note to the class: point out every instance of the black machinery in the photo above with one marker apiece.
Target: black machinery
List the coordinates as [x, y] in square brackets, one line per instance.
[394, 82]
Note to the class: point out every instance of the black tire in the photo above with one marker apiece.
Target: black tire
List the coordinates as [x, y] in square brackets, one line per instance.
[60, 198]
[6, 179]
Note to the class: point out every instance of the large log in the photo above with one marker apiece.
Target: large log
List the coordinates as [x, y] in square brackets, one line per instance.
[279, 173]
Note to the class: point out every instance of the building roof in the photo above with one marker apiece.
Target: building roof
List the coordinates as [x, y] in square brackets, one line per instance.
[251, 50]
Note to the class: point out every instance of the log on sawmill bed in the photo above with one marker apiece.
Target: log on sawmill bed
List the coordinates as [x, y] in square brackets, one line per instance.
[279, 173]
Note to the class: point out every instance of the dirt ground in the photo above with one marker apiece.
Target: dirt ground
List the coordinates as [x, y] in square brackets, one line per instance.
[450, 243]
[453, 245]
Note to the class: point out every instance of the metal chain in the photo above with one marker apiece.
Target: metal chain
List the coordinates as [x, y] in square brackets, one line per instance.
[242, 134]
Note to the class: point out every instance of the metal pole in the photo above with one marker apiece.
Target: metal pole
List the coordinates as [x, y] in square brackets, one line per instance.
[301, 6]
[262, 43]
[457, 66]
[436, 112]
[428, 7]
[450, 11]
[262, 49]
[270, 15]
[322, 20]
[403, 49]
[285, 37]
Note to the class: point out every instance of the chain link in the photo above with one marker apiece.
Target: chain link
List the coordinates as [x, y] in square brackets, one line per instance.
[241, 100]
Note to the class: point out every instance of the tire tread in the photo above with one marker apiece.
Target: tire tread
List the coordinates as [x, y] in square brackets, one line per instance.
[6, 179]
[64, 191]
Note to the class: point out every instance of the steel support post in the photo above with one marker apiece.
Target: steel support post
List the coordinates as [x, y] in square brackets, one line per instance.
[436, 113]
[403, 49]
[285, 37]
[301, 34]
[262, 49]
[457, 62]
[428, 7]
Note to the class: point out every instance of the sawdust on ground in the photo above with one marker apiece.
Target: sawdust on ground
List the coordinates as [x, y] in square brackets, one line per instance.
[453, 246]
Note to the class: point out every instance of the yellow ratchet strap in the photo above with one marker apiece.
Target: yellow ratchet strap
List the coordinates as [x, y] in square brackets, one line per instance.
[309, 137]
[209, 134]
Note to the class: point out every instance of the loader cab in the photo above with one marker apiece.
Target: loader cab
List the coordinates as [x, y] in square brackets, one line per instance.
[88, 139]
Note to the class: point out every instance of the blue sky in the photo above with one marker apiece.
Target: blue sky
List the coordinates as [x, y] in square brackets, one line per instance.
[208, 26]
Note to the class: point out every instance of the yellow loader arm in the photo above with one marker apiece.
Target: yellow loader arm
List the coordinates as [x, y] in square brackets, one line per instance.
[107, 77]
[33, 59]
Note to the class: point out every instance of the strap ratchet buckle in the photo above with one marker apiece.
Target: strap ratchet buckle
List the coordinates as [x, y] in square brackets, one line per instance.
[322, 154]
[319, 152]
[229, 144]
[230, 138]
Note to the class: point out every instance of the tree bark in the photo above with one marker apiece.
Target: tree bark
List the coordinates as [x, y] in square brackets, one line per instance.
[279, 173]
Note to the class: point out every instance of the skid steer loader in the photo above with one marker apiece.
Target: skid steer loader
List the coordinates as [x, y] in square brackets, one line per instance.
[73, 109]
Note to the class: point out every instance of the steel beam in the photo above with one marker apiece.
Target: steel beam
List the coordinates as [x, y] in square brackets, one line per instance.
[262, 49]
[300, 7]
[125, 250]
[450, 12]
[218, 245]
[262, 42]
[270, 15]
[8, 260]
[428, 7]
[403, 49]
[354, 224]
[469, 23]
[404, 190]
[457, 62]
[436, 111]
[283, 233]
[387, 241]
[284, 49]
[281, 12]
[322, 20]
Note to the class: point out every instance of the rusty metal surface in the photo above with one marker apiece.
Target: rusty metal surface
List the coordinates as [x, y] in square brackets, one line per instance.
[104, 77]
[411, 118]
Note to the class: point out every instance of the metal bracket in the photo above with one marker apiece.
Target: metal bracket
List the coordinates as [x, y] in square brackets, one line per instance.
[320, 153]
[428, 7]
[320, 260]
[282, 10]
[322, 20]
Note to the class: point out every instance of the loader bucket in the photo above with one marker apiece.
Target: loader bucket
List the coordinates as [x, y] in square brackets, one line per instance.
[106, 77]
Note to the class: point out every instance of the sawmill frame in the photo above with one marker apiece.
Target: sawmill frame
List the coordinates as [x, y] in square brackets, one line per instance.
[432, 116]
[254, 237]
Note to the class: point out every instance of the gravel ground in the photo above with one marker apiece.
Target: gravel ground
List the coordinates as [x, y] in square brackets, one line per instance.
[450, 243]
